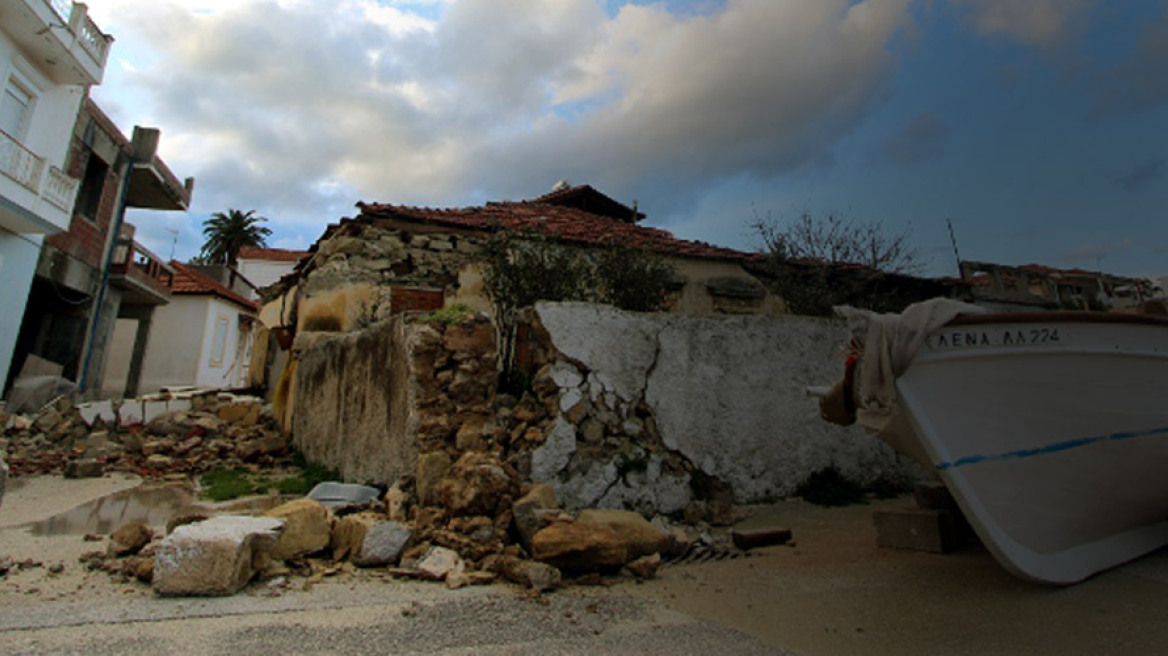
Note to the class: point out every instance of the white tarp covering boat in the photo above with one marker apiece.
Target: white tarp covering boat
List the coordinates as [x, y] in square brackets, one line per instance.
[1050, 429]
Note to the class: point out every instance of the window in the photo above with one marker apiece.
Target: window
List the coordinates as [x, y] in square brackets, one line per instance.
[92, 185]
[218, 342]
[15, 108]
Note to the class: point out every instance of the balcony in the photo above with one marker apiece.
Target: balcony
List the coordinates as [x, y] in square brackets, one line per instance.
[59, 37]
[44, 193]
[143, 276]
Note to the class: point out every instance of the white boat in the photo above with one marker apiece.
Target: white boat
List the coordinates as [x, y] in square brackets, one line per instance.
[1049, 429]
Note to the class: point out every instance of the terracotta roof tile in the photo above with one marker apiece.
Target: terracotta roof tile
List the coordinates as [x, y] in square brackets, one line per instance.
[188, 280]
[271, 254]
[563, 223]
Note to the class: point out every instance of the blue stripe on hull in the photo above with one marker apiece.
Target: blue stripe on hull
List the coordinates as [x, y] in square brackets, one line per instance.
[1051, 448]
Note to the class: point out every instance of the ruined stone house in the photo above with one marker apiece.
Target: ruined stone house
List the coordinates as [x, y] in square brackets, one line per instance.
[391, 258]
[651, 411]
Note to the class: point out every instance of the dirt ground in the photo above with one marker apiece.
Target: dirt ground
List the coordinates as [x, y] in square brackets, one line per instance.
[831, 592]
[836, 592]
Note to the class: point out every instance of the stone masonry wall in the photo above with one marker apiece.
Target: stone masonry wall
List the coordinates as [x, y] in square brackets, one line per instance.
[368, 402]
[654, 408]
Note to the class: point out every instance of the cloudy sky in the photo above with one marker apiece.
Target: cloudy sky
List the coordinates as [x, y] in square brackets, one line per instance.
[1038, 127]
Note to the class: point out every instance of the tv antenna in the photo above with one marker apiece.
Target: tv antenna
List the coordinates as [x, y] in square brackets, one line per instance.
[173, 241]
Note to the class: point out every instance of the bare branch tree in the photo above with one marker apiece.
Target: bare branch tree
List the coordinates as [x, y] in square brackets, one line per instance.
[838, 240]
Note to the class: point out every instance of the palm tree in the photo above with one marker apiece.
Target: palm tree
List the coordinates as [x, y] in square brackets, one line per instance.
[229, 231]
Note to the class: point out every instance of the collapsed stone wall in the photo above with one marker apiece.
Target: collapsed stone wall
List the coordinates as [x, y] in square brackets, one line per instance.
[655, 411]
[368, 402]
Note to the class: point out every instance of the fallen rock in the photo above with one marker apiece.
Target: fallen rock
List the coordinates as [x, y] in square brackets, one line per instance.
[307, 528]
[540, 497]
[641, 538]
[534, 575]
[129, 539]
[369, 541]
[579, 547]
[84, 468]
[438, 562]
[213, 557]
[431, 469]
[645, 567]
[476, 485]
[383, 544]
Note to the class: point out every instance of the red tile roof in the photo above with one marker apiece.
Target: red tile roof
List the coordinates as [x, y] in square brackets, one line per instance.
[188, 280]
[567, 224]
[271, 254]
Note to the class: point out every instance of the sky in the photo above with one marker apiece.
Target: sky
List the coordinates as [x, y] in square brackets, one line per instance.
[1038, 129]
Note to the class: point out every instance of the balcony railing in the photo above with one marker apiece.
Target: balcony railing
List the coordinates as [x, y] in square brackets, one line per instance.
[136, 262]
[20, 163]
[76, 17]
[60, 189]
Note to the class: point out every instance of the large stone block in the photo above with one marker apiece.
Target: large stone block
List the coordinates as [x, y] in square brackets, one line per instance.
[307, 527]
[579, 547]
[212, 557]
[640, 537]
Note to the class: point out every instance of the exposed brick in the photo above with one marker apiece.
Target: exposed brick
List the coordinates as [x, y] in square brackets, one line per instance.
[760, 537]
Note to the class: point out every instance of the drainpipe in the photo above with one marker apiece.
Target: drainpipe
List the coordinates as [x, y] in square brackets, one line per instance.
[143, 141]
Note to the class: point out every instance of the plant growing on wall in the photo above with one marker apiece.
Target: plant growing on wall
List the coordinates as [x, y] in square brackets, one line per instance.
[523, 267]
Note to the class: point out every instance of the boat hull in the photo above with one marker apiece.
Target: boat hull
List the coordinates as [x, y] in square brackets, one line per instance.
[1051, 433]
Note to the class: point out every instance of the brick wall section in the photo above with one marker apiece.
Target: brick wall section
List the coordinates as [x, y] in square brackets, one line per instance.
[403, 299]
[85, 240]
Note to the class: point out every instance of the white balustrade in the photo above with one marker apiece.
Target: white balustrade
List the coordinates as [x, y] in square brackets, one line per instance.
[20, 163]
[60, 189]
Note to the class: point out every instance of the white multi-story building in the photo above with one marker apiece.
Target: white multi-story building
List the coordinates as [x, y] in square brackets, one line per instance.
[51, 52]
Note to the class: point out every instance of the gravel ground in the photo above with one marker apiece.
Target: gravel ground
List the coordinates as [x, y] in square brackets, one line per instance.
[83, 612]
[832, 592]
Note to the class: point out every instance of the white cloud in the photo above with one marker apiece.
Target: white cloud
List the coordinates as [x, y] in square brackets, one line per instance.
[298, 108]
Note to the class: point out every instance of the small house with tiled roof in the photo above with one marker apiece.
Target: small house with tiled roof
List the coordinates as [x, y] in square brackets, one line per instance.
[391, 258]
[203, 338]
[264, 266]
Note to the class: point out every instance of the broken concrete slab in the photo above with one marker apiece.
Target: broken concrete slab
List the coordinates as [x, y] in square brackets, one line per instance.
[213, 557]
[95, 410]
[334, 495]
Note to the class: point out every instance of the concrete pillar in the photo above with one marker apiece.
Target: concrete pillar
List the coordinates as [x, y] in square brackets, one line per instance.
[99, 344]
[141, 339]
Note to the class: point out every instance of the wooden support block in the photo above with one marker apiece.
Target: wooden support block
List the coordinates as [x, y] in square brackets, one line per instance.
[915, 529]
[934, 496]
[760, 537]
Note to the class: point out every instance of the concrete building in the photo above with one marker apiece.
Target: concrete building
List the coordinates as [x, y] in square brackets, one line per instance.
[94, 275]
[51, 52]
[264, 266]
[202, 338]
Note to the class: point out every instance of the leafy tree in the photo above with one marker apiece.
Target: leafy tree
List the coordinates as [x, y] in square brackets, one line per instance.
[228, 232]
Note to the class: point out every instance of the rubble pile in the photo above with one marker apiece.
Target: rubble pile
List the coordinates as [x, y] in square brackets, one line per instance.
[186, 433]
[220, 555]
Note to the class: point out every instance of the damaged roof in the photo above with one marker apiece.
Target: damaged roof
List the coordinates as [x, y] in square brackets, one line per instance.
[271, 254]
[188, 280]
[561, 222]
